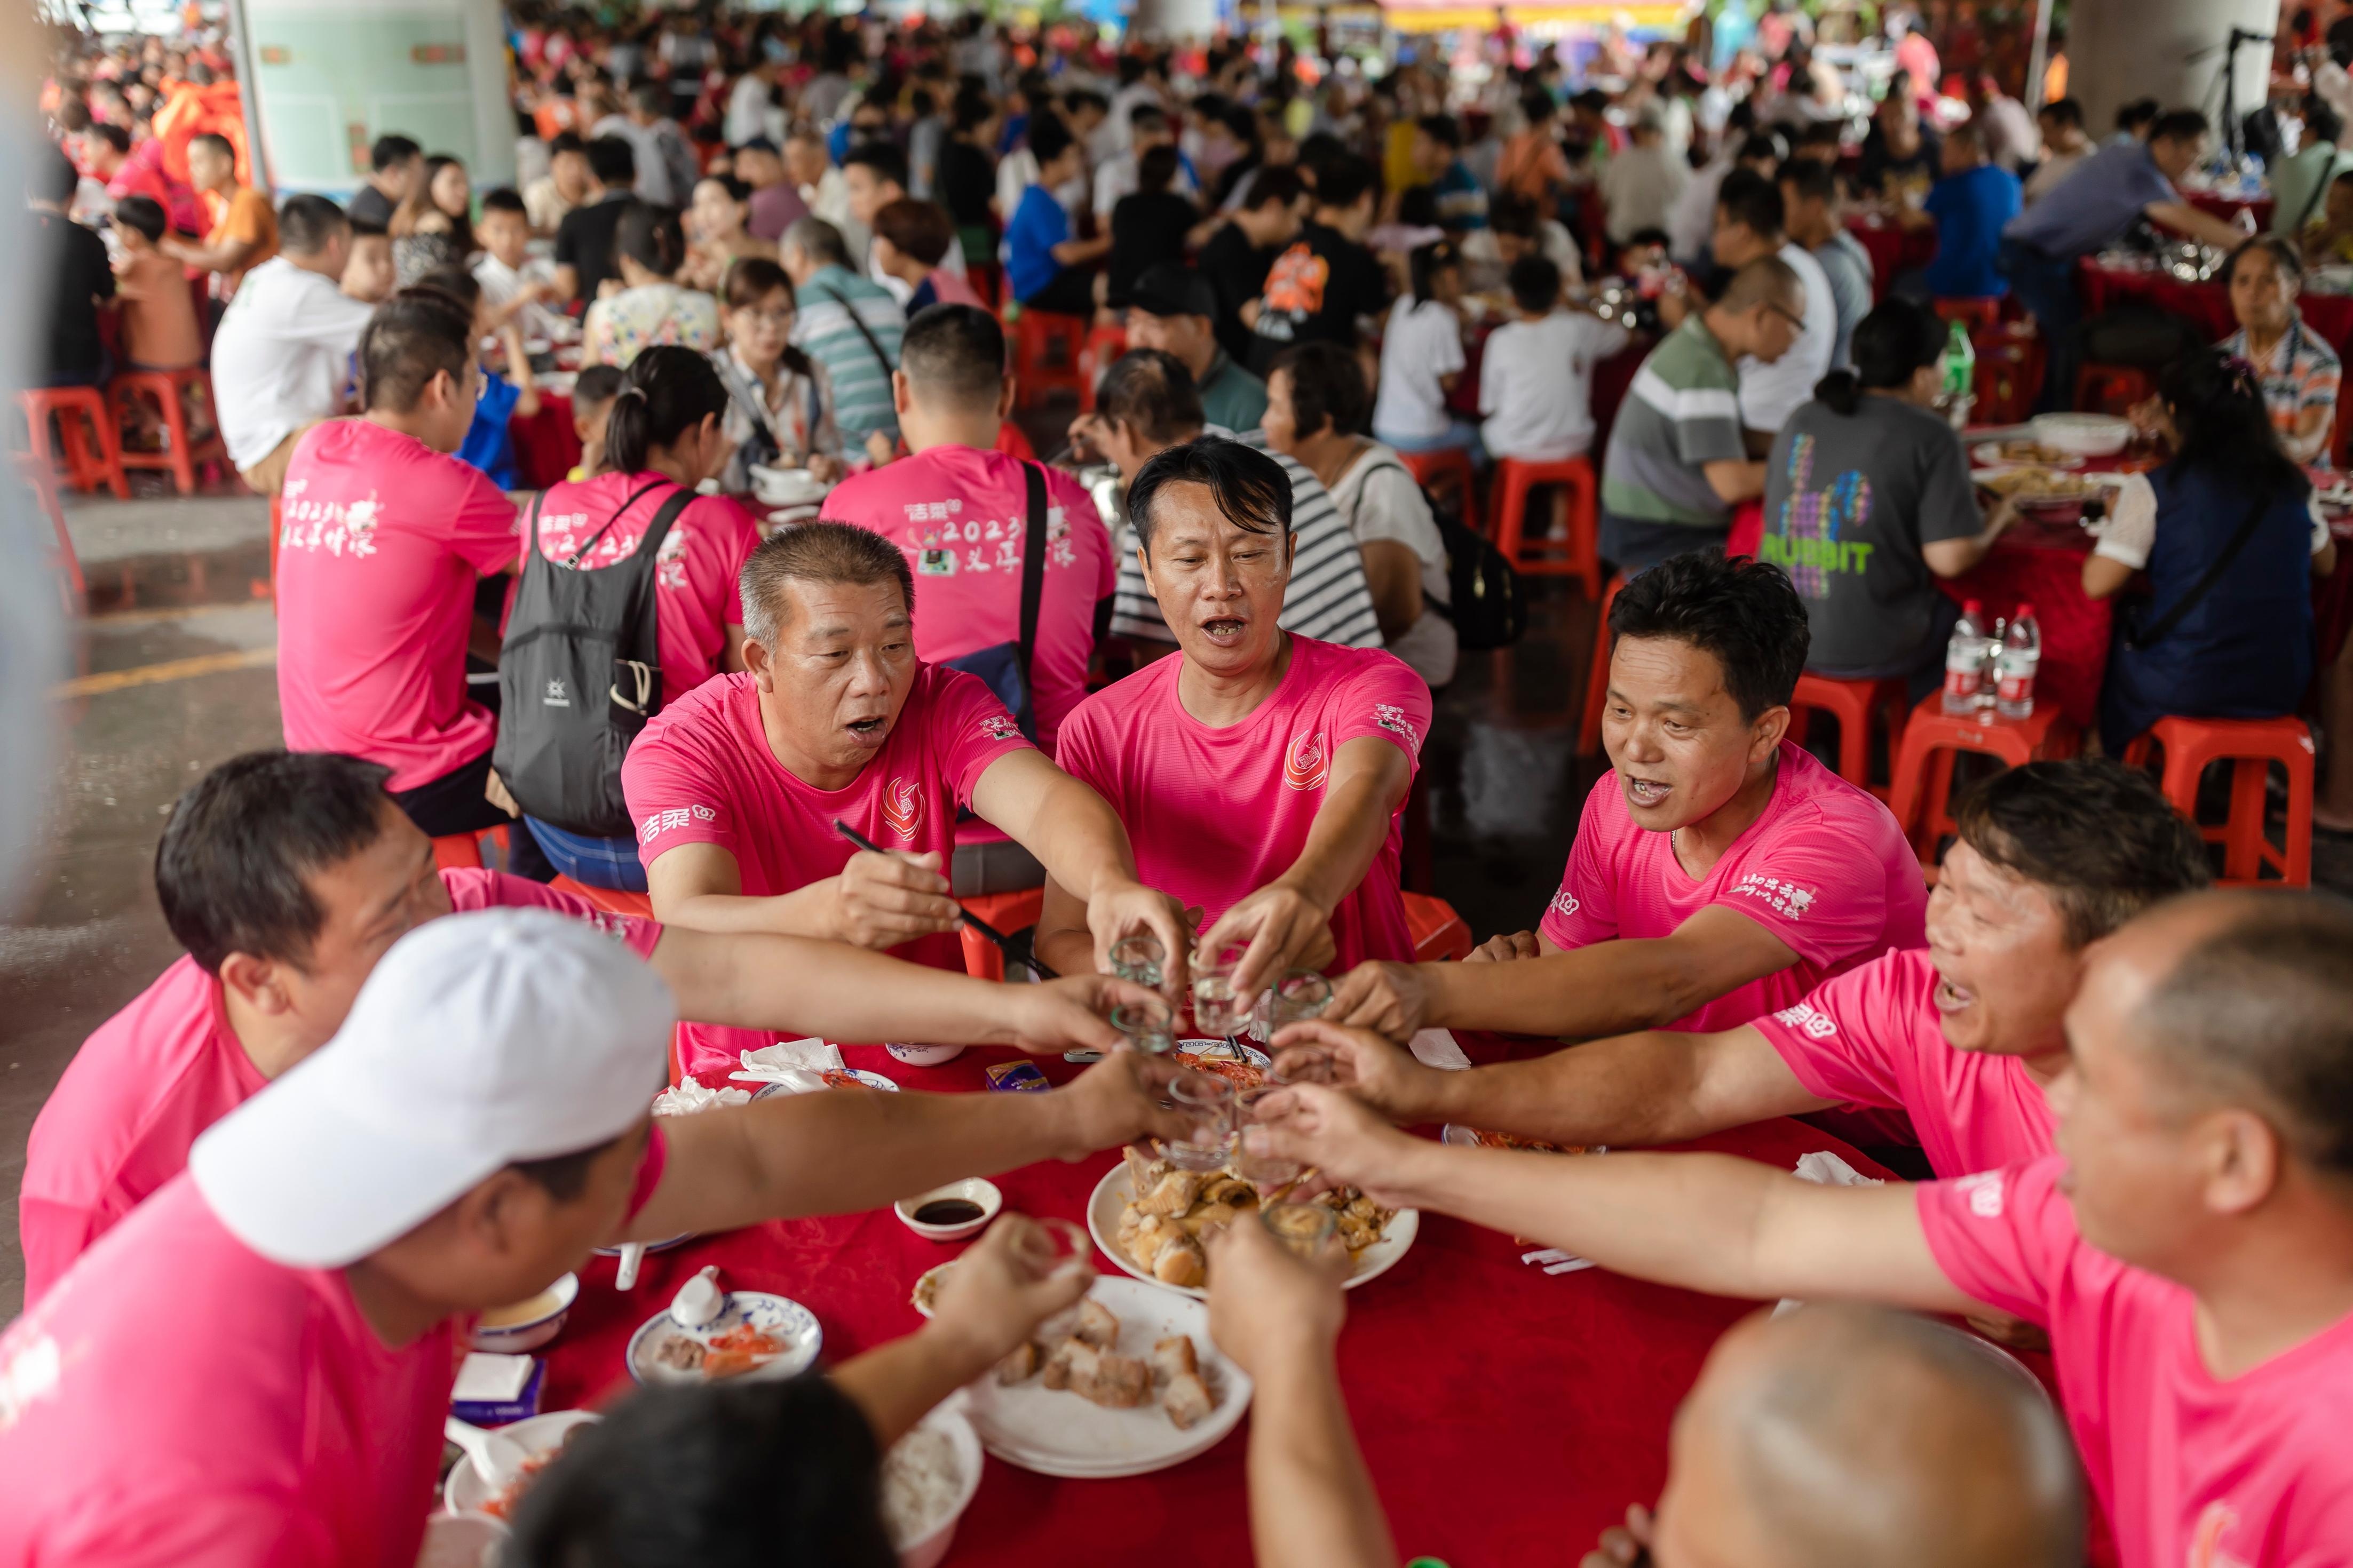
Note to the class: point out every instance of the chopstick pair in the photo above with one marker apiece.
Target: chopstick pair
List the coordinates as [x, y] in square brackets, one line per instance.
[1005, 944]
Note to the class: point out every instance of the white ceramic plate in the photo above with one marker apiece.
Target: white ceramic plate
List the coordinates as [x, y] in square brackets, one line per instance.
[781, 1316]
[1057, 1433]
[1987, 454]
[680, 1239]
[1466, 1137]
[1111, 1193]
[466, 1490]
[871, 1079]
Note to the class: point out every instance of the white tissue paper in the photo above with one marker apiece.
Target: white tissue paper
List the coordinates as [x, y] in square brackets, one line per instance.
[1825, 1169]
[798, 1066]
[486, 1379]
[690, 1097]
[1436, 1049]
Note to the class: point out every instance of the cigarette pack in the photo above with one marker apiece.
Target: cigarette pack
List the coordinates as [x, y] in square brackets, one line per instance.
[1020, 1076]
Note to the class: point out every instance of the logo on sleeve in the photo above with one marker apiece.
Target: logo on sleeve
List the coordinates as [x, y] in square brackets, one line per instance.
[902, 807]
[1985, 1193]
[1305, 766]
[2216, 1520]
[999, 726]
[1807, 1021]
[661, 822]
[1787, 900]
[1563, 904]
[1391, 717]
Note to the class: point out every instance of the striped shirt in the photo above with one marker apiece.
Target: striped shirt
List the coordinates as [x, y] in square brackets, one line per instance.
[2302, 373]
[1327, 598]
[827, 332]
[1681, 414]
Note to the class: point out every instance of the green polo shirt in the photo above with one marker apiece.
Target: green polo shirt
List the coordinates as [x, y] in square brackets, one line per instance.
[1232, 396]
[1681, 414]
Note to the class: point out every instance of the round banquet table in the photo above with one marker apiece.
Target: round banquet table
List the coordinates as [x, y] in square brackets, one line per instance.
[2207, 304]
[546, 447]
[1507, 1415]
[2229, 208]
[1894, 250]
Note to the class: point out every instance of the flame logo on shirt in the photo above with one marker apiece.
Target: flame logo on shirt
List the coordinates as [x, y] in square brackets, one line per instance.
[902, 807]
[1306, 767]
[2217, 1520]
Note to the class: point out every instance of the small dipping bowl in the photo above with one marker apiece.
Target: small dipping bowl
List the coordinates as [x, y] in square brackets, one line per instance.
[924, 1056]
[972, 1190]
[529, 1334]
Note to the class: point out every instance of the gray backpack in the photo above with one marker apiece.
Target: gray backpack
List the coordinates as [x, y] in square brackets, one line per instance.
[580, 674]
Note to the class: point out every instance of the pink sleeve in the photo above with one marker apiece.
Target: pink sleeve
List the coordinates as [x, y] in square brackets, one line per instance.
[635, 933]
[1839, 1040]
[1815, 890]
[650, 1167]
[970, 729]
[1584, 910]
[484, 527]
[672, 799]
[1388, 702]
[1077, 752]
[2004, 1235]
[738, 535]
[52, 1234]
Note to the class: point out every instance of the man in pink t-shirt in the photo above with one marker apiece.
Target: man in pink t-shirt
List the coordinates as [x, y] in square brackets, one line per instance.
[266, 982]
[1719, 872]
[960, 512]
[1260, 773]
[738, 790]
[279, 1324]
[381, 536]
[1963, 1035]
[2188, 1249]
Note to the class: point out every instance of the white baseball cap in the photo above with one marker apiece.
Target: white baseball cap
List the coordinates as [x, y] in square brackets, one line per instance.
[480, 1040]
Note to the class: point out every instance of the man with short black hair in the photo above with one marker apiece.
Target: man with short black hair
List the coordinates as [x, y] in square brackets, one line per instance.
[281, 353]
[243, 233]
[394, 166]
[2065, 145]
[876, 173]
[566, 184]
[1437, 154]
[1719, 871]
[1175, 309]
[1970, 204]
[1752, 224]
[584, 240]
[851, 326]
[776, 204]
[137, 169]
[1048, 267]
[1318, 289]
[1810, 196]
[1235, 258]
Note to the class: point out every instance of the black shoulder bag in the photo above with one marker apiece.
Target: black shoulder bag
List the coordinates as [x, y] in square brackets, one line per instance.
[864, 330]
[2138, 637]
[1006, 666]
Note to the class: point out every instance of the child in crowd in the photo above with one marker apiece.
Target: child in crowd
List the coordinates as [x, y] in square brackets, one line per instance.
[1536, 384]
[514, 284]
[158, 313]
[592, 405]
[490, 443]
[910, 239]
[368, 275]
[1422, 360]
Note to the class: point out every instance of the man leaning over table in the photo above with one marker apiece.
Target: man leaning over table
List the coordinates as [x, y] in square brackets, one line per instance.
[1719, 871]
[1260, 773]
[254, 1367]
[288, 875]
[1964, 1036]
[2189, 1248]
[736, 789]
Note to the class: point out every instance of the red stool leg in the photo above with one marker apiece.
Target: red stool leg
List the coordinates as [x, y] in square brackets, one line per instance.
[175, 426]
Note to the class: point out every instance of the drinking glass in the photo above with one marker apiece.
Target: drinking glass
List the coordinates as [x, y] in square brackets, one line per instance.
[1263, 1171]
[1148, 1027]
[1138, 958]
[1216, 1006]
[1303, 1227]
[1205, 1104]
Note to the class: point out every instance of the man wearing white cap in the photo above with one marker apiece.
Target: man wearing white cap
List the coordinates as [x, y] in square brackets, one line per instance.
[287, 875]
[255, 1366]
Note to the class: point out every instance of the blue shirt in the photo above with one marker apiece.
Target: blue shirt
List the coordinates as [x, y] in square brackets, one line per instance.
[1970, 209]
[2091, 209]
[489, 444]
[1460, 200]
[1038, 224]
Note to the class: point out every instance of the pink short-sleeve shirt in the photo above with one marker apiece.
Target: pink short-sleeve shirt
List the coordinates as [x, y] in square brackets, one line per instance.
[1825, 868]
[1217, 813]
[1872, 1037]
[702, 772]
[959, 513]
[2191, 1470]
[380, 541]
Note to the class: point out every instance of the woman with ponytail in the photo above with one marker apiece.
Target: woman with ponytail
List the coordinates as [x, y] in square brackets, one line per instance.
[1868, 502]
[2230, 538]
[665, 432]
[646, 305]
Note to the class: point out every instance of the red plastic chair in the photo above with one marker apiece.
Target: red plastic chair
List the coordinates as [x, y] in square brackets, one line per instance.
[1437, 931]
[1853, 703]
[1971, 313]
[84, 462]
[2008, 376]
[1922, 794]
[2111, 389]
[1009, 912]
[2250, 746]
[1436, 470]
[168, 390]
[72, 590]
[1103, 345]
[1596, 679]
[612, 900]
[1046, 352]
[1577, 552]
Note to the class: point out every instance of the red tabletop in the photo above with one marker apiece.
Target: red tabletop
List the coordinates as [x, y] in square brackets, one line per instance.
[1507, 1415]
[545, 446]
[2229, 208]
[1894, 249]
[2207, 305]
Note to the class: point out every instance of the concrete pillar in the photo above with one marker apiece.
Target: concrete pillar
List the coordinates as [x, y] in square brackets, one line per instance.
[1172, 20]
[2118, 50]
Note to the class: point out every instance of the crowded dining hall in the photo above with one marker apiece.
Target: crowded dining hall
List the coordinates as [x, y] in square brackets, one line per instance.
[1180, 782]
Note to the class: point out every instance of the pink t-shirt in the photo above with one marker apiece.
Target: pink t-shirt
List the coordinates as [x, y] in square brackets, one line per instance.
[1216, 815]
[695, 594]
[958, 513]
[702, 772]
[179, 1400]
[1825, 868]
[1871, 1036]
[2255, 1472]
[380, 541]
[148, 1081]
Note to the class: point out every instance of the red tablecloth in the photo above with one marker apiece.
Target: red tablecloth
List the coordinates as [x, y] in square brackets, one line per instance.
[2229, 208]
[1507, 1415]
[2041, 563]
[2207, 304]
[1893, 250]
[545, 444]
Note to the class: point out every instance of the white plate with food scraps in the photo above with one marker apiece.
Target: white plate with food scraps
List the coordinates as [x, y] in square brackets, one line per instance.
[1056, 1432]
[2020, 455]
[835, 1078]
[542, 1438]
[662, 1353]
[1111, 1194]
[1473, 1138]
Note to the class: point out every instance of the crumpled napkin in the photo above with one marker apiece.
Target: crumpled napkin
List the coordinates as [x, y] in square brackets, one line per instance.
[688, 1098]
[799, 1065]
[1436, 1049]
[1827, 1169]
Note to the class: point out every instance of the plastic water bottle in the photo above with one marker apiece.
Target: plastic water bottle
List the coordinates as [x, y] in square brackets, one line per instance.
[2021, 650]
[1965, 661]
[1959, 362]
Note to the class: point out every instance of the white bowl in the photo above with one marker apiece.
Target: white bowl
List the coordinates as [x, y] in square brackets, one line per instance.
[467, 1492]
[514, 1339]
[788, 487]
[2091, 434]
[925, 1055]
[972, 1189]
[927, 1551]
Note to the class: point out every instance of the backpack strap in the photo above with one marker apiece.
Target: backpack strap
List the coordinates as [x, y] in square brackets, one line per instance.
[2149, 636]
[572, 562]
[1033, 567]
[873, 342]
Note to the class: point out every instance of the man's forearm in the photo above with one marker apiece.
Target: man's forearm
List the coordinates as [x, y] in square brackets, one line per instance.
[1079, 839]
[804, 911]
[1609, 988]
[763, 981]
[896, 1383]
[1349, 828]
[1627, 1091]
[1312, 1503]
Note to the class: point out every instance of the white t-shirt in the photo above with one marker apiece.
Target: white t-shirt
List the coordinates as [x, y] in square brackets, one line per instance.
[1380, 500]
[501, 283]
[1691, 220]
[1638, 188]
[282, 356]
[1769, 394]
[1535, 385]
[2130, 533]
[1423, 341]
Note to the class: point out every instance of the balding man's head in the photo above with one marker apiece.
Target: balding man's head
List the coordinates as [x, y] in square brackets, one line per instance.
[1850, 1437]
[1761, 310]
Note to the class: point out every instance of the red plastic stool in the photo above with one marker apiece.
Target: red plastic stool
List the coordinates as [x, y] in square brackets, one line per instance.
[1009, 912]
[2008, 376]
[1924, 764]
[1578, 551]
[1437, 931]
[72, 590]
[71, 407]
[463, 851]
[2111, 389]
[2250, 746]
[1442, 466]
[612, 900]
[168, 390]
[1045, 351]
[1597, 678]
[1853, 703]
[1103, 345]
